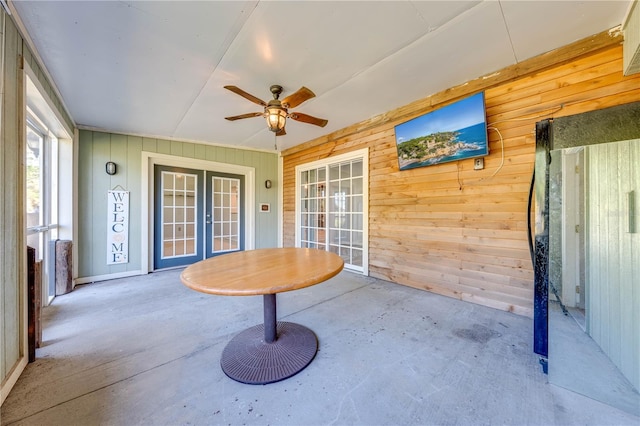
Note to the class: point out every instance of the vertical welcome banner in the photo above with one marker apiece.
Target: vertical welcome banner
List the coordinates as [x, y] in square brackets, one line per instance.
[117, 227]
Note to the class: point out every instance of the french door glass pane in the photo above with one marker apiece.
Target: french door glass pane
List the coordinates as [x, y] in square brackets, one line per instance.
[226, 214]
[331, 209]
[179, 227]
[313, 208]
[345, 226]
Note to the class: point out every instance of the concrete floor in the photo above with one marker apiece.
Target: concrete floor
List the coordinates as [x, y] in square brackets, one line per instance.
[146, 351]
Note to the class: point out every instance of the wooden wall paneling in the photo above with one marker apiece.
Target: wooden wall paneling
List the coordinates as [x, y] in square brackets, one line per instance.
[3, 251]
[211, 153]
[227, 155]
[200, 152]
[134, 173]
[266, 168]
[188, 150]
[163, 146]
[85, 200]
[603, 62]
[476, 218]
[101, 184]
[553, 86]
[118, 153]
[176, 148]
[12, 191]
[149, 145]
[11, 260]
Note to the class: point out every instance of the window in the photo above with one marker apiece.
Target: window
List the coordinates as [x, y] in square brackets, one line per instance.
[48, 187]
[41, 197]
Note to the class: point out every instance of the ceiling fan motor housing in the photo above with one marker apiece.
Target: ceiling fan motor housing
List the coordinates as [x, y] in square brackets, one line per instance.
[276, 90]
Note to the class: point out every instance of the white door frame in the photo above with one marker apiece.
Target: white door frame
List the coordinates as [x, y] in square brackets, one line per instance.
[151, 159]
[352, 155]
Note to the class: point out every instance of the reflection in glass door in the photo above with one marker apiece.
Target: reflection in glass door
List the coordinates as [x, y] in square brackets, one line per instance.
[331, 209]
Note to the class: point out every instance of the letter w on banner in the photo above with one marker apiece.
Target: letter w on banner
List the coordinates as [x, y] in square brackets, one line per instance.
[117, 227]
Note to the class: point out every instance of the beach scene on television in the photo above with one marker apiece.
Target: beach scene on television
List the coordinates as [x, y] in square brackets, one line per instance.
[454, 132]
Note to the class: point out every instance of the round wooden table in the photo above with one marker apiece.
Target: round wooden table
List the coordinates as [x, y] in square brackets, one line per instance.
[275, 350]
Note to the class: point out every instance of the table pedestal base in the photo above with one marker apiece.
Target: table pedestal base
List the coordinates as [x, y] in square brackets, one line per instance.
[248, 358]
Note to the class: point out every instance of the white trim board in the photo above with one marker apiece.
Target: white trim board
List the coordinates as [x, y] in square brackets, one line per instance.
[105, 277]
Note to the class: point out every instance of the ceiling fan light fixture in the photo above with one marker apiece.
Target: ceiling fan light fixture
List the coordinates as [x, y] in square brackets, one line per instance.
[276, 118]
[276, 111]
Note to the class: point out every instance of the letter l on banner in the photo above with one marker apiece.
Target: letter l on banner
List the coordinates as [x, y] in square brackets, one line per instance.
[117, 227]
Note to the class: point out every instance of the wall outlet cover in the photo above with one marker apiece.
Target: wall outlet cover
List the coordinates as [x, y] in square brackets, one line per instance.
[479, 164]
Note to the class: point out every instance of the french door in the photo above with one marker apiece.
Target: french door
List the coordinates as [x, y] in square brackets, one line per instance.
[332, 208]
[224, 225]
[198, 214]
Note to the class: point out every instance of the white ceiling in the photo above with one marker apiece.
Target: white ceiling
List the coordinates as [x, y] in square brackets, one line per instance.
[158, 68]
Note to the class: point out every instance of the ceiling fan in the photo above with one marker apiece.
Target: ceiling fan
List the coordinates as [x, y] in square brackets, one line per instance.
[276, 111]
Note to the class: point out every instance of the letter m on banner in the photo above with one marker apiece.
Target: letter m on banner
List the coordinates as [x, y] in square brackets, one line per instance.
[117, 227]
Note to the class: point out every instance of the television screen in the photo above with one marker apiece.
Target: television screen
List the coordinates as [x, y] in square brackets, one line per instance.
[454, 132]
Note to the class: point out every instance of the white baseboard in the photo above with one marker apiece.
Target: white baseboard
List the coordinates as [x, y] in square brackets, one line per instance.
[12, 378]
[96, 278]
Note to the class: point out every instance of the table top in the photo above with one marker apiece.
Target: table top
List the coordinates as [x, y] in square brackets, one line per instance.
[262, 271]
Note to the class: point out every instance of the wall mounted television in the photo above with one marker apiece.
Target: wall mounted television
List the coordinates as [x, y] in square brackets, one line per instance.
[454, 132]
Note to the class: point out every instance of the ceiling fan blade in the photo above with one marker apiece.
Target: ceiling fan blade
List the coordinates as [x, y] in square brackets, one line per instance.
[246, 95]
[298, 116]
[281, 132]
[249, 115]
[295, 99]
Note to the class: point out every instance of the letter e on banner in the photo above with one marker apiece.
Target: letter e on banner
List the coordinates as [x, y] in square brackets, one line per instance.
[117, 227]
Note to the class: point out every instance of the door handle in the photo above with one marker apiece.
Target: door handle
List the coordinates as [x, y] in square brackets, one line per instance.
[208, 221]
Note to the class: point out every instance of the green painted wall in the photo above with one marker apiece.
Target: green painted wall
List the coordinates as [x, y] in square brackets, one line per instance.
[96, 148]
[12, 215]
[37, 70]
[10, 220]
